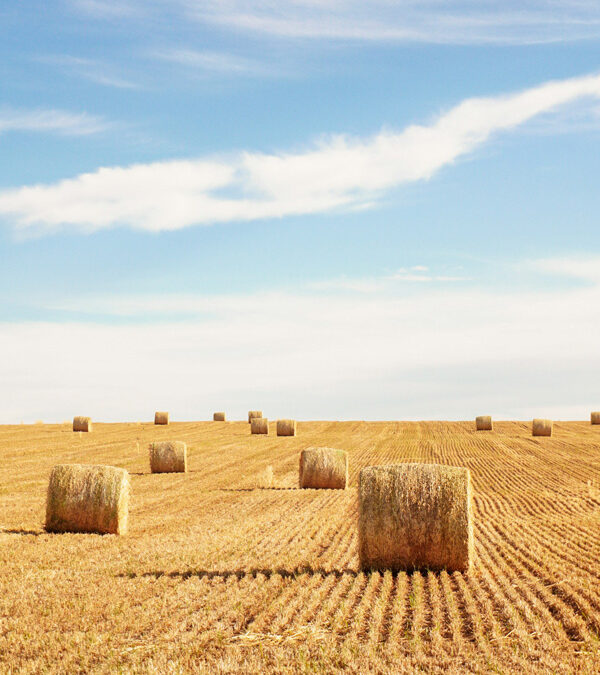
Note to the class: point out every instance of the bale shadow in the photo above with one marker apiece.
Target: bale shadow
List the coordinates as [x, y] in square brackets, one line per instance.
[250, 489]
[35, 533]
[239, 574]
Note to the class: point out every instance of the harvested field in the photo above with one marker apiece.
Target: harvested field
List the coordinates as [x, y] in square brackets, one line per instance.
[216, 575]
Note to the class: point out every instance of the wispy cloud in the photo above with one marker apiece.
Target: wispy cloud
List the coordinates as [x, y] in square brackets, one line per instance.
[391, 355]
[429, 21]
[56, 121]
[417, 274]
[89, 69]
[209, 62]
[339, 173]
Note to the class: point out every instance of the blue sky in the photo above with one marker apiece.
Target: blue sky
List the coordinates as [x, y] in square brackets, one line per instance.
[327, 209]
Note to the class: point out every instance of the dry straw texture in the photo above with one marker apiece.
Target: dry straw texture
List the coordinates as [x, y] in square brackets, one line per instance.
[161, 418]
[483, 423]
[259, 425]
[541, 427]
[253, 414]
[82, 424]
[286, 427]
[323, 468]
[86, 498]
[219, 417]
[168, 457]
[415, 516]
[265, 478]
[595, 418]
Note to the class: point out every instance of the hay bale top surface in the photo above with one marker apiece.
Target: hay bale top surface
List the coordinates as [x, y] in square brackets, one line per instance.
[415, 516]
[168, 457]
[87, 498]
[325, 468]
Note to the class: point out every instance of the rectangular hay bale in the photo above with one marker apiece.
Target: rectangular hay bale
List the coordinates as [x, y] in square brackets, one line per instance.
[82, 423]
[87, 498]
[168, 457]
[219, 417]
[415, 516]
[323, 468]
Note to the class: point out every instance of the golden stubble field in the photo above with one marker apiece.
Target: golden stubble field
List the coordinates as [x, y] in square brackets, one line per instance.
[218, 575]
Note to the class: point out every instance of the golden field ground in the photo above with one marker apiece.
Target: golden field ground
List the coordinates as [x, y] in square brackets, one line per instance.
[217, 576]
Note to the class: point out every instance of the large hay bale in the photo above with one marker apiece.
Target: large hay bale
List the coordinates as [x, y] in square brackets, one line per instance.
[168, 457]
[161, 418]
[87, 498]
[595, 418]
[259, 425]
[541, 427]
[219, 417]
[484, 423]
[286, 427]
[415, 516]
[82, 424]
[252, 414]
[323, 468]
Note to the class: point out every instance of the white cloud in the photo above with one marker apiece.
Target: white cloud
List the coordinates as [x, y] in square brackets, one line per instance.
[57, 121]
[219, 63]
[415, 274]
[428, 21]
[89, 69]
[339, 173]
[442, 352]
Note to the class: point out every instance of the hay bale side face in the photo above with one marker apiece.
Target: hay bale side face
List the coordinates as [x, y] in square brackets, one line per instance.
[541, 427]
[252, 414]
[168, 457]
[415, 516]
[286, 427]
[219, 417]
[82, 424]
[259, 425]
[324, 468]
[595, 418]
[484, 423]
[161, 418]
[86, 498]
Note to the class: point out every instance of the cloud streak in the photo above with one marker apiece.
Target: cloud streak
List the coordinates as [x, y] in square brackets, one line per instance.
[338, 173]
[426, 21]
[54, 121]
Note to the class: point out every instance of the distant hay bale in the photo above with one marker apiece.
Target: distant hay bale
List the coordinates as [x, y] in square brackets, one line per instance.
[265, 478]
[259, 425]
[219, 417]
[323, 468]
[87, 498]
[168, 457]
[483, 423]
[161, 418]
[252, 414]
[541, 427]
[415, 516]
[595, 418]
[82, 424]
[286, 427]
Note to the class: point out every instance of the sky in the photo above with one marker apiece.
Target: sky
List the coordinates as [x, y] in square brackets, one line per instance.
[324, 209]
